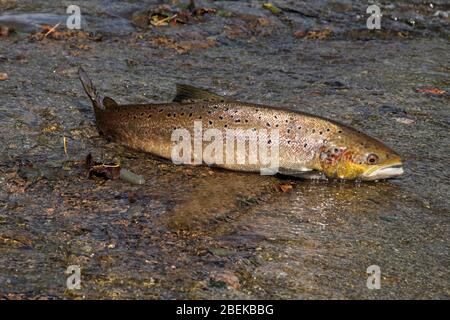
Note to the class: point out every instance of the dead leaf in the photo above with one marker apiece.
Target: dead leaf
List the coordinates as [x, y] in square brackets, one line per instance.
[99, 169]
[286, 187]
[319, 35]
[183, 46]
[431, 91]
[51, 32]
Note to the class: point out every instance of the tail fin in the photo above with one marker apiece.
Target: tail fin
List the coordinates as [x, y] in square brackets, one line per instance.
[95, 97]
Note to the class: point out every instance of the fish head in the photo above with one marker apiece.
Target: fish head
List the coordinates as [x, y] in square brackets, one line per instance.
[352, 155]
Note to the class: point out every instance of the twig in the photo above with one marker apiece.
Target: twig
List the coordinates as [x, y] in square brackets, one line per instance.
[52, 29]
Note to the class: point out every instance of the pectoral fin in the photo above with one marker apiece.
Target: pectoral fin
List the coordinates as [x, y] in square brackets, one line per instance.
[187, 94]
[303, 173]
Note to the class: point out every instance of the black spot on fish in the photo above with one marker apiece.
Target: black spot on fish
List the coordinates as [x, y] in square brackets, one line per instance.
[190, 114]
[142, 114]
[340, 131]
[286, 120]
[246, 120]
[299, 128]
[237, 120]
[220, 117]
[269, 142]
[328, 129]
[288, 130]
[200, 117]
[320, 132]
[289, 142]
[149, 116]
[305, 145]
[313, 130]
[210, 122]
[268, 124]
[168, 114]
[160, 110]
[226, 126]
[209, 112]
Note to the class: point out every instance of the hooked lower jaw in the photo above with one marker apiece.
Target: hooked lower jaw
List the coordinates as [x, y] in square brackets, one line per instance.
[386, 172]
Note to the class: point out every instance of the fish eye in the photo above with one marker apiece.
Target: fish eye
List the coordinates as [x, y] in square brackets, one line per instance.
[372, 158]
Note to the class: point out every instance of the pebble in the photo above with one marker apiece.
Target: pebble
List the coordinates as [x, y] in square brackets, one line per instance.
[226, 277]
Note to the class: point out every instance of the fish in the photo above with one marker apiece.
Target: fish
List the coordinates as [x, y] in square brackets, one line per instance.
[306, 145]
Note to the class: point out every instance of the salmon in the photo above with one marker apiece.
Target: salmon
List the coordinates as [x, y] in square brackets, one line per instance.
[200, 127]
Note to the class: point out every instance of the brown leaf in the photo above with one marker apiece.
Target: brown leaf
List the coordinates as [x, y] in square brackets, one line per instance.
[319, 35]
[431, 91]
[51, 32]
[285, 187]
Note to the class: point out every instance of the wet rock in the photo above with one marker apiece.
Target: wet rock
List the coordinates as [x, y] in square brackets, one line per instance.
[221, 252]
[391, 110]
[336, 84]
[224, 279]
[442, 14]
[30, 173]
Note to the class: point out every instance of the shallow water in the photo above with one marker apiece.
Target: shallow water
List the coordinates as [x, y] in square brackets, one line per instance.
[167, 238]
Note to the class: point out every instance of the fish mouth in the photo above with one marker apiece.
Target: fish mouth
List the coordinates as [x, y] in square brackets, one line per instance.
[383, 172]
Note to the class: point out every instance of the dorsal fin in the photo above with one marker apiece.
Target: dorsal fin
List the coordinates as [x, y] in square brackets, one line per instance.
[109, 102]
[186, 93]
